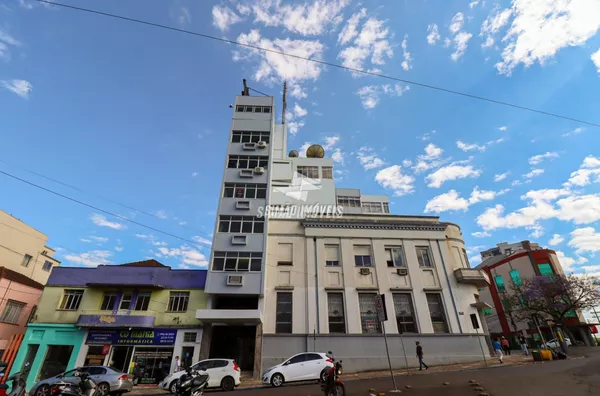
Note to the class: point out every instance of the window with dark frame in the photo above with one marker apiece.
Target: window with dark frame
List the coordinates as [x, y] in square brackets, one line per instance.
[47, 266]
[71, 299]
[327, 172]
[368, 313]
[241, 224]
[190, 337]
[244, 190]
[386, 207]
[108, 301]
[424, 256]
[394, 257]
[237, 261]
[126, 300]
[178, 301]
[372, 207]
[283, 316]
[308, 171]
[362, 256]
[142, 302]
[337, 319]
[12, 311]
[332, 255]
[247, 161]
[405, 314]
[351, 202]
[250, 136]
[26, 260]
[437, 313]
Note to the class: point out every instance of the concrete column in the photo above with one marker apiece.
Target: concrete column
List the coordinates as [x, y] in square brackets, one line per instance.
[257, 371]
[205, 343]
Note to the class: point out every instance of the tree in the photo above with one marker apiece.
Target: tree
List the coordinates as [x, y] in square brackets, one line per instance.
[553, 297]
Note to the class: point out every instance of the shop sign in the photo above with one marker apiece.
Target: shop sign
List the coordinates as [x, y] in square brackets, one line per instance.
[132, 337]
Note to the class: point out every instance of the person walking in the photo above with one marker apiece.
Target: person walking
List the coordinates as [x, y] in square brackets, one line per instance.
[505, 346]
[523, 342]
[177, 365]
[420, 356]
[498, 349]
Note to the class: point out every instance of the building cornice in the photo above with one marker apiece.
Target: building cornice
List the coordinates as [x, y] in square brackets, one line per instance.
[373, 224]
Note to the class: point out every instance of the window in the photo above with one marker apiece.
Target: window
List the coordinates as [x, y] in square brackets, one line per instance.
[352, 202]
[239, 108]
[467, 265]
[327, 172]
[94, 370]
[487, 311]
[362, 256]
[332, 255]
[516, 278]
[26, 259]
[394, 257]
[47, 266]
[108, 302]
[178, 301]
[405, 315]
[386, 207]
[247, 161]
[253, 109]
[499, 283]
[372, 207]
[368, 313]
[142, 302]
[126, 301]
[71, 299]
[243, 190]
[250, 137]
[337, 320]
[242, 224]
[189, 337]
[507, 305]
[285, 254]
[12, 311]
[308, 171]
[424, 256]
[298, 359]
[237, 261]
[436, 312]
[283, 320]
[545, 269]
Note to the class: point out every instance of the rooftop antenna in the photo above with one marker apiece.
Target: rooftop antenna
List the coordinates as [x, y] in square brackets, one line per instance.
[284, 102]
[246, 91]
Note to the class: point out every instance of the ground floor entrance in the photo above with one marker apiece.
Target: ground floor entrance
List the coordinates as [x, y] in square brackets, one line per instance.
[234, 342]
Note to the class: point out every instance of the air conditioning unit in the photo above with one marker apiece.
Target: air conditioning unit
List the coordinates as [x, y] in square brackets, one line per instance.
[365, 271]
[259, 170]
[402, 271]
[235, 280]
[261, 144]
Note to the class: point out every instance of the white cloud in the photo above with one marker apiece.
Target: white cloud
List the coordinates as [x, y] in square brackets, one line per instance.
[101, 221]
[202, 241]
[533, 173]
[294, 126]
[187, 255]
[369, 159]
[556, 239]
[161, 214]
[596, 59]
[194, 174]
[20, 87]
[493, 24]
[370, 94]
[566, 262]
[119, 248]
[274, 67]
[299, 111]
[473, 3]
[460, 45]
[158, 243]
[407, 62]
[581, 260]
[330, 141]
[434, 34]
[536, 159]
[574, 132]
[588, 172]
[500, 140]
[296, 91]
[457, 23]
[224, 17]
[370, 43]
[489, 42]
[451, 172]
[144, 236]
[481, 234]
[99, 239]
[451, 201]
[426, 136]
[90, 259]
[478, 195]
[85, 240]
[501, 176]
[582, 209]
[469, 147]
[182, 16]
[503, 128]
[9, 40]
[430, 160]
[337, 156]
[541, 28]
[431, 152]
[393, 178]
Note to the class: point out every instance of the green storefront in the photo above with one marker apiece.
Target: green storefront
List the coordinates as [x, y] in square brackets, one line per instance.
[50, 349]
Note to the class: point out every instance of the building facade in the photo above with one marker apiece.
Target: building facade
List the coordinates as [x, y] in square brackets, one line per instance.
[272, 284]
[23, 249]
[138, 314]
[508, 264]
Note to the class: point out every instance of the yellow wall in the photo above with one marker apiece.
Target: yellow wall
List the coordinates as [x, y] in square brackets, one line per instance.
[48, 307]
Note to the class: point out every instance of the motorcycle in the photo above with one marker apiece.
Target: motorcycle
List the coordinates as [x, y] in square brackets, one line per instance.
[85, 387]
[18, 382]
[192, 383]
[332, 385]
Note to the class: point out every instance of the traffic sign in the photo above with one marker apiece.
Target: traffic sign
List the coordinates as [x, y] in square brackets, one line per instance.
[380, 306]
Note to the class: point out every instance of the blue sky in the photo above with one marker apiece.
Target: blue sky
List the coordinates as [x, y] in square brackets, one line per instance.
[139, 115]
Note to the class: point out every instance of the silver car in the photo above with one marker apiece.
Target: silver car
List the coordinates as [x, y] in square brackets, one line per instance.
[109, 381]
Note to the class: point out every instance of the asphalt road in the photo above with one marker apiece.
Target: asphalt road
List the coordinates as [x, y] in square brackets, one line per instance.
[574, 377]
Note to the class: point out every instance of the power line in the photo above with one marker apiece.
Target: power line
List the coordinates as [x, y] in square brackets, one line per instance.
[257, 91]
[99, 209]
[321, 62]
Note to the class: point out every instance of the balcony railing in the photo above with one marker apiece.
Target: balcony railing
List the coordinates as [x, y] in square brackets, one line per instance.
[472, 276]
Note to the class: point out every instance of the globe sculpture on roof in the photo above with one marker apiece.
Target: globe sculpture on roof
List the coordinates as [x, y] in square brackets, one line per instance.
[293, 154]
[315, 151]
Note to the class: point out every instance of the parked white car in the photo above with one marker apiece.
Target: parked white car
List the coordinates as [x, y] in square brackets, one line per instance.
[554, 343]
[223, 373]
[307, 366]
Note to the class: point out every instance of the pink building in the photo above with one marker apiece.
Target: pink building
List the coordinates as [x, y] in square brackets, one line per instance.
[20, 295]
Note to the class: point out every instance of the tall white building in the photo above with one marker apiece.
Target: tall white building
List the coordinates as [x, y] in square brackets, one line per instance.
[306, 279]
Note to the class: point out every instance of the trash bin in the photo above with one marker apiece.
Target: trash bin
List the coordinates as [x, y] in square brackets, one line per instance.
[537, 356]
[546, 354]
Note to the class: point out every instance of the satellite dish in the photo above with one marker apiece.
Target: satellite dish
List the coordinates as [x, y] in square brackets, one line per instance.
[293, 154]
[315, 151]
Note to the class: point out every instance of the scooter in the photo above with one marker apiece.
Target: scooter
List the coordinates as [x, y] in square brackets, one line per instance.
[86, 387]
[192, 383]
[331, 384]
[19, 384]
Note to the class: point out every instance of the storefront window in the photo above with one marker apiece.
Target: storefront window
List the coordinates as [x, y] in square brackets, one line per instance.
[94, 356]
[152, 364]
[32, 350]
[56, 361]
